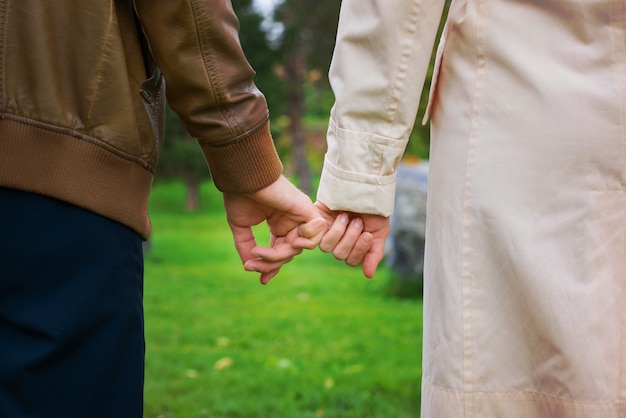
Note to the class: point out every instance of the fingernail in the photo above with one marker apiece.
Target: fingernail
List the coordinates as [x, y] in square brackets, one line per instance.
[343, 218]
[358, 223]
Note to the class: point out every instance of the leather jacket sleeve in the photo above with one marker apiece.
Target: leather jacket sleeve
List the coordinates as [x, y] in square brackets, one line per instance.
[210, 85]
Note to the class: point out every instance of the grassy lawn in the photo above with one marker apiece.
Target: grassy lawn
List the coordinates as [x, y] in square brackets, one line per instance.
[319, 341]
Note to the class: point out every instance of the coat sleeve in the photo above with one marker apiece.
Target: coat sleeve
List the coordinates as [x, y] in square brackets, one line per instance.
[210, 85]
[379, 66]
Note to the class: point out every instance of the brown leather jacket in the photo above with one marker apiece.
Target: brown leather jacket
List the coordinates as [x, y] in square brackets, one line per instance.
[81, 121]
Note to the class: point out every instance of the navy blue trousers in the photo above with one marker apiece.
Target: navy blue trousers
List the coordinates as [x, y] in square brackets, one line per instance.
[71, 316]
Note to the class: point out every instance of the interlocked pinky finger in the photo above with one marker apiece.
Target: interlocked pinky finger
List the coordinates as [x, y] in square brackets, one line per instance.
[266, 277]
[264, 266]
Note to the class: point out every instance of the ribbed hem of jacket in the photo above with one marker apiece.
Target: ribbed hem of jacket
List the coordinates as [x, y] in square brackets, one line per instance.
[245, 164]
[75, 170]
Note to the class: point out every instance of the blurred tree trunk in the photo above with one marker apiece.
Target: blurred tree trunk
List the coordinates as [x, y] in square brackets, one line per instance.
[306, 44]
[193, 194]
[296, 74]
[181, 159]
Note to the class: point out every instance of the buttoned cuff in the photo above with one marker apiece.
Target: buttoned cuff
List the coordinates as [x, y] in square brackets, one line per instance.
[359, 172]
[345, 191]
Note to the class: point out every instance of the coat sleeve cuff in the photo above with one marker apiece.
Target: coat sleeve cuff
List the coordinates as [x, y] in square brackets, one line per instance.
[345, 191]
[359, 173]
[245, 165]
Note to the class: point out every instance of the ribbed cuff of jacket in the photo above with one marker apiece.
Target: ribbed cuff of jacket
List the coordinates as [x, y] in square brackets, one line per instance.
[246, 165]
[345, 191]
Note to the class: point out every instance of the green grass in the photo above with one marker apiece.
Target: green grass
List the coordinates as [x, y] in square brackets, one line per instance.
[319, 341]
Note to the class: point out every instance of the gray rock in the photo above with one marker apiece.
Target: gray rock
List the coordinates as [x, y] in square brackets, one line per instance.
[405, 246]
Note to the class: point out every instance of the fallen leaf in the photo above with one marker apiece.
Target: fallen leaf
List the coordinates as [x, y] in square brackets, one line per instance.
[223, 363]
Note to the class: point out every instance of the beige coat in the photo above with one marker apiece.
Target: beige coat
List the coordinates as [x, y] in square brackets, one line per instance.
[525, 282]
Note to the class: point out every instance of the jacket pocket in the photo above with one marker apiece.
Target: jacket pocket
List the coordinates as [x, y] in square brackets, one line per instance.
[152, 92]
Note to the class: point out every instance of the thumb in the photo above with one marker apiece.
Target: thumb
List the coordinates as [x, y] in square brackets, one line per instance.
[244, 242]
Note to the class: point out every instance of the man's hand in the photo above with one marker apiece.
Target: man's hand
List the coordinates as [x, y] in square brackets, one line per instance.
[355, 238]
[293, 221]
